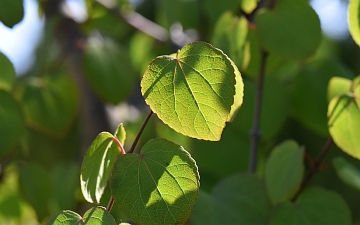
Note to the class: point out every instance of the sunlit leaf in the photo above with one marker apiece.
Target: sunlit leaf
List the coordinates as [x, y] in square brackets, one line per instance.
[98, 163]
[50, 103]
[284, 171]
[291, 30]
[108, 70]
[338, 86]
[238, 199]
[7, 74]
[12, 123]
[313, 206]
[192, 92]
[158, 186]
[347, 172]
[354, 20]
[11, 12]
[344, 124]
[94, 216]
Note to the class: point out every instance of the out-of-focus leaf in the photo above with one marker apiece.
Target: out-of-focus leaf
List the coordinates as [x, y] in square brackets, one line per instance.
[238, 199]
[313, 206]
[284, 171]
[158, 186]
[354, 20]
[338, 86]
[11, 12]
[347, 172]
[50, 103]
[12, 123]
[291, 30]
[193, 91]
[7, 73]
[108, 70]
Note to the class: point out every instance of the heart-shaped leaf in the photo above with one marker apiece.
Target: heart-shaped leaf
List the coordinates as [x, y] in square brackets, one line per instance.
[94, 216]
[98, 164]
[238, 199]
[354, 20]
[193, 91]
[284, 171]
[7, 74]
[291, 30]
[344, 121]
[158, 186]
[12, 122]
[314, 206]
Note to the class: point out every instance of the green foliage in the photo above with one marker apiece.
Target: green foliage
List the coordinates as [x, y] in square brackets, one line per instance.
[268, 73]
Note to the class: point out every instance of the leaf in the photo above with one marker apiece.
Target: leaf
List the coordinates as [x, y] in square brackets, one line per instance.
[354, 20]
[158, 186]
[108, 69]
[344, 124]
[347, 172]
[338, 86]
[292, 30]
[192, 92]
[238, 199]
[313, 206]
[7, 74]
[284, 171]
[96, 215]
[12, 123]
[11, 12]
[239, 94]
[50, 103]
[98, 163]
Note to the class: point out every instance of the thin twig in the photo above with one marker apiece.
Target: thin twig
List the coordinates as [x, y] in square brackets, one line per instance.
[140, 132]
[110, 204]
[315, 168]
[255, 131]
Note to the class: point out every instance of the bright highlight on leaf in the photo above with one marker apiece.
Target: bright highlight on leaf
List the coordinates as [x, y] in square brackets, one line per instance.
[354, 20]
[193, 91]
[98, 164]
[94, 216]
[344, 120]
[159, 186]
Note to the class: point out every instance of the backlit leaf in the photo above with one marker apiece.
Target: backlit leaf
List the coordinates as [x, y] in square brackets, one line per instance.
[291, 30]
[98, 163]
[193, 91]
[313, 206]
[284, 171]
[354, 20]
[338, 86]
[158, 186]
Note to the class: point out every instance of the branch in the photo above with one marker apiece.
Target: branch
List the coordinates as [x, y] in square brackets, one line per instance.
[255, 131]
[315, 167]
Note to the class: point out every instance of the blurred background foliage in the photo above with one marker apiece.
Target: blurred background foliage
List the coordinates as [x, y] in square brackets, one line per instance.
[85, 79]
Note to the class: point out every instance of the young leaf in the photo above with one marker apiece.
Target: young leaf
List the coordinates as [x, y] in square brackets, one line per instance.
[11, 12]
[344, 123]
[238, 199]
[284, 171]
[291, 30]
[158, 186]
[193, 91]
[338, 86]
[347, 172]
[354, 20]
[98, 163]
[95, 215]
[7, 74]
[12, 123]
[314, 206]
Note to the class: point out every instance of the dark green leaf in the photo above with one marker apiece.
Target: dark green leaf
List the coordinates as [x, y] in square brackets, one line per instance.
[347, 172]
[158, 186]
[11, 12]
[7, 74]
